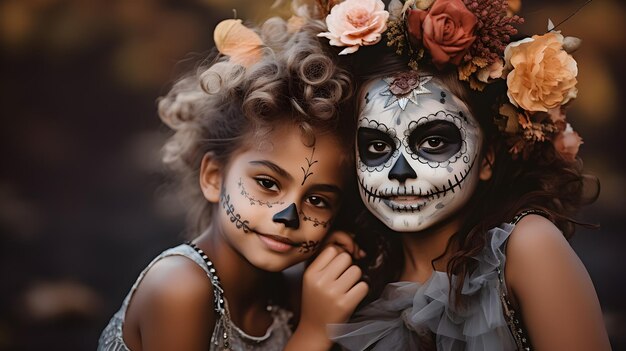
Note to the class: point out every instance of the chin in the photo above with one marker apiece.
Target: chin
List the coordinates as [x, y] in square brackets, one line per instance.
[270, 263]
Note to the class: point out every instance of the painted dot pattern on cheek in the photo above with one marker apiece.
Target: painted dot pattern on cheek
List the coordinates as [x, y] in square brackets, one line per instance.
[316, 222]
[254, 201]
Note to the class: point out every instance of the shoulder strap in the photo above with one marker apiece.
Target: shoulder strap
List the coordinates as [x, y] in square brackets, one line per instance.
[525, 213]
[218, 292]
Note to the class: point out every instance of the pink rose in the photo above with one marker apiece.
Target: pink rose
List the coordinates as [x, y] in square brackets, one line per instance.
[446, 30]
[355, 23]
[567, 143]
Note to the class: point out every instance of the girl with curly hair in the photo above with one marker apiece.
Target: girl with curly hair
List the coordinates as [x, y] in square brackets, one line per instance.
[260, 150]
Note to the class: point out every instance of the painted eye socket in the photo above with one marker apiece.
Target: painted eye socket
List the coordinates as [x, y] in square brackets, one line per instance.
[379, 148]
[317, 201]
[436, 141]
[267, 183]
[375, 146]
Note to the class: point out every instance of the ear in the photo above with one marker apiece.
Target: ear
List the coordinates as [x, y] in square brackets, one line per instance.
[486, 166]
[210, 178]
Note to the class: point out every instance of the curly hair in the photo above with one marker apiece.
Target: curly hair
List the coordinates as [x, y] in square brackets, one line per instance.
[219, 105]
[545, 181]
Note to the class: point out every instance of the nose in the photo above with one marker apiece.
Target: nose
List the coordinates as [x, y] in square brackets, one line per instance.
[401, 170]
[288, 217]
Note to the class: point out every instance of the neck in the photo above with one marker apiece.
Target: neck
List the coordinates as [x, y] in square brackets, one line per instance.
[423, 247]
[242, 282]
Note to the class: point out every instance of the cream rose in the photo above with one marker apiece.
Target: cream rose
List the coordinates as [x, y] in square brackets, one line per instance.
[355, 23]
[541, 75]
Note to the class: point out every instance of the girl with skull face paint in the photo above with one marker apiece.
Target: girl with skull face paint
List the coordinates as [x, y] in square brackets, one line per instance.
[468, 207]
[263, 156]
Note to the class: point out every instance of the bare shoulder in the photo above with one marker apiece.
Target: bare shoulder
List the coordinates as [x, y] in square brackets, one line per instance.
[171, 306]
[551, 287]
[538, 252]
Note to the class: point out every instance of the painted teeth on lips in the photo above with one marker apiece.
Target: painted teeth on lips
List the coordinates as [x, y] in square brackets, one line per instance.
[406, 200]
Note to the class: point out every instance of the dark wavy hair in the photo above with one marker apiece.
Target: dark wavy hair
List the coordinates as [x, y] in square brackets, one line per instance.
[545, 181]
[220, 106]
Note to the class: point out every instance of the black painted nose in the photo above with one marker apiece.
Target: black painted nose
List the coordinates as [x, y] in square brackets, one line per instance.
[288, 217]
[401, 170]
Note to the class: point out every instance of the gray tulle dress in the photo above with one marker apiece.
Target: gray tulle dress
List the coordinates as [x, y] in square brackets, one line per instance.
[407, 309]
[275, 338]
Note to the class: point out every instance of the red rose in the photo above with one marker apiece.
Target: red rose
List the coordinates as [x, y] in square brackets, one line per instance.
[447, 30]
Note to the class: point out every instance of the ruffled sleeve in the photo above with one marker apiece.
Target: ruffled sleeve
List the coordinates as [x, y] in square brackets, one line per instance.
[406, 309]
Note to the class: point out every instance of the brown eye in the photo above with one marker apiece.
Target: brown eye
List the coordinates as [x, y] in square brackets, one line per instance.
[317, 201]
[434, 142]
[267, 184]
[379, 147]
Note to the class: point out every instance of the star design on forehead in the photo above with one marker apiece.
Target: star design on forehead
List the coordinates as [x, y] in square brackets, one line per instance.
[405, 87]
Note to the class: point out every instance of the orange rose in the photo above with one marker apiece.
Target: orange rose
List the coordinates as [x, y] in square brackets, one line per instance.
[355, 23]
[541, 75]
[446, 30]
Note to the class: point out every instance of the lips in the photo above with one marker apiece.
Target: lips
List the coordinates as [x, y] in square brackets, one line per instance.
[277, 243]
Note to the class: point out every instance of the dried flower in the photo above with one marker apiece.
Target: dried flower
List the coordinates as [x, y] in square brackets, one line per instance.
[355, 23]
[404, 82]
[541, 75]
[567, 143]
[242, 44]
[493, 71]
[446, 30]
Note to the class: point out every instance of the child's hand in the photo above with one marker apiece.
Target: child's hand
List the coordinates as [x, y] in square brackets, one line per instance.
[332, 288]
[346, 242]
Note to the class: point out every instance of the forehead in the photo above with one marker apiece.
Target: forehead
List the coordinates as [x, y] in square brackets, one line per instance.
[427, 97]
[289, 148]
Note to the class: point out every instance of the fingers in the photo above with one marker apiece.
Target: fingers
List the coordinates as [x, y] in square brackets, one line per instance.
[346, 242]
[324, 258]
[349, 278]
[337, 266]
[358, 292]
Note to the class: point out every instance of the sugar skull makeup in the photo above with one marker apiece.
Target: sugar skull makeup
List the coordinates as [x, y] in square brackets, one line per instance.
[417, 147]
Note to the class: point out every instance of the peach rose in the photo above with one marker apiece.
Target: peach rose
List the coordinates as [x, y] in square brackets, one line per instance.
[446, 30]
[355, 23]
[541, 75]
[567, 143]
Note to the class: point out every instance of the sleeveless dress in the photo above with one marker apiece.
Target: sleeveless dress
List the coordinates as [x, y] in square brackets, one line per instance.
[406, 309]
[226, 335]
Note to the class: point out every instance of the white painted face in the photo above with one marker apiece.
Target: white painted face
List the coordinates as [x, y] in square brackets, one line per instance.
[417, 151]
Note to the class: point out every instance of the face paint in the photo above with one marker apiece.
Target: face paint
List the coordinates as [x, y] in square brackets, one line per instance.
[234, 217]
[254, 201]
[277, 202]
[417, 146]
[316, 222]
[310, 162]
[288, 217]
[309, 246]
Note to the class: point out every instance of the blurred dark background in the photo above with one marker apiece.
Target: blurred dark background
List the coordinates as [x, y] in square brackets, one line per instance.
[82, 203]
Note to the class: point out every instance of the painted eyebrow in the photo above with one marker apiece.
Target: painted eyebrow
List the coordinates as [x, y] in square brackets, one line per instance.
[274, 167]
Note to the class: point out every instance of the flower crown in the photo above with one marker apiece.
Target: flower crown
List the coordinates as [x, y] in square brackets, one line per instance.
[475, 37]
